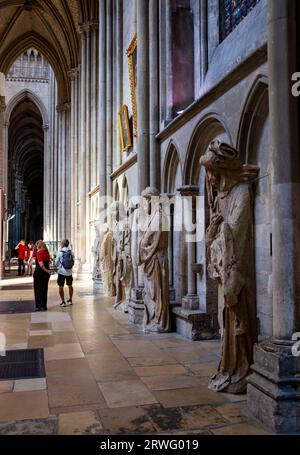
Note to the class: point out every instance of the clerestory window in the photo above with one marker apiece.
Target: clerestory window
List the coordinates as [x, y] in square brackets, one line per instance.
[232, 12]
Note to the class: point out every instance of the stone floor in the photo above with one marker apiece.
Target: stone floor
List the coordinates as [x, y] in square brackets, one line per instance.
[105, 376]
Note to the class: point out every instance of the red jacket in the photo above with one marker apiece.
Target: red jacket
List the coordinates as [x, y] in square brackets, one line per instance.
[22, 251]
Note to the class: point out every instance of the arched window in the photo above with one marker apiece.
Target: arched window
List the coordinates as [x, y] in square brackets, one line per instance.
[233, 12]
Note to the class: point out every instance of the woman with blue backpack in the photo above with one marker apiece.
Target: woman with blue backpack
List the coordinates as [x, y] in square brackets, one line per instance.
[65, 262]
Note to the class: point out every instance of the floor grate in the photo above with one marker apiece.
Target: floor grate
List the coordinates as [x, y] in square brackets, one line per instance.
[22, 364]
[17, 306]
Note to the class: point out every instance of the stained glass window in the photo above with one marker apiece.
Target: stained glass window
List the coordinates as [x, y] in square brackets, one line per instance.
[233, 12]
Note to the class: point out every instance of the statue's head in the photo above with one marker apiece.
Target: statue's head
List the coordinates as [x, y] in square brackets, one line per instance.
[118, 211]
[223, 165]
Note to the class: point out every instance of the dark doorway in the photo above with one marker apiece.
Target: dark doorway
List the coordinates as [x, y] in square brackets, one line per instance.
[25, 173]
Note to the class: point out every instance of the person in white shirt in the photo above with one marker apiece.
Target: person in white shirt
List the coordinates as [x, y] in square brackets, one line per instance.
[65, 262]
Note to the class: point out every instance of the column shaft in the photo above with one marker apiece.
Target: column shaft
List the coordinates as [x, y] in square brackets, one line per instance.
[154, 94]
[284, 139]
[143, 93]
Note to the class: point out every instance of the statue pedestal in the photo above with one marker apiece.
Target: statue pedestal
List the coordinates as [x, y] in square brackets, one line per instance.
[172, 295]
[136, 306]
[194, 324]
[273, 392]
[191, 302]
[97, 287]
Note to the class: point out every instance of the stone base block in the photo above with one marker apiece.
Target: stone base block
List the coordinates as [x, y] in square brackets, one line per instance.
[122, 306]
[191, 302]
[135, 312]
[97, 287]
[273, 393]
[172, 295]
[136, 306]
[194, 324]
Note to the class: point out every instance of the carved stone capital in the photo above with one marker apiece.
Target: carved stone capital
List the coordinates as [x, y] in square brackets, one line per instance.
[189, 190]
[63, 107]
[88, 26]
[73, 73]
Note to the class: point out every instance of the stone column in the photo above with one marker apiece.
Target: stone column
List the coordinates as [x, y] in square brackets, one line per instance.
[154, 94]
[169, 62]
[102, 104]
[83, 151]
[3, 163]
[136, 305]
[119, 71]
[47, 183]
[203, 40]
[274, 386]
[191, 300]
[143, 93]
[73, 74]
[109, 97]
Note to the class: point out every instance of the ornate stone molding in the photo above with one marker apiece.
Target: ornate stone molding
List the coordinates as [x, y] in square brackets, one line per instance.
[88, 26]
[74, 72]
[2, 104]
[189, 190]
[63, 107]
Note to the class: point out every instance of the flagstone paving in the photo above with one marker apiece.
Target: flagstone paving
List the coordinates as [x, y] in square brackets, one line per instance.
[105, 376]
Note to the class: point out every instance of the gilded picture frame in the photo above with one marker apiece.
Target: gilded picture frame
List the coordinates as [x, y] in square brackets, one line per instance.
[124, 128]
[132, 66]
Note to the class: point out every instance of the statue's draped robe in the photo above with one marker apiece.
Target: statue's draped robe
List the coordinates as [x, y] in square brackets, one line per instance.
[232, 265]
[124, 268]
[96, 265]
[107, 264]
[153, 254]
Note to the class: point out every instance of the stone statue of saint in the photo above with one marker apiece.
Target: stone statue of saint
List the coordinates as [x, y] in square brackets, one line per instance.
[96, 253]
[153, 256]
[107, 262]
[230, 252]
[124, 265]
[119, 260]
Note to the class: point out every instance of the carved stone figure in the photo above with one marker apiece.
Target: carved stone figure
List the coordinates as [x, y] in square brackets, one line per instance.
[107, 262]
[153, 256]
[229, 241]
[124, 265]
[96, 253]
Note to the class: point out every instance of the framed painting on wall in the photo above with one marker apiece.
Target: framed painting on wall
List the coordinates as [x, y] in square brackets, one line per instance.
[132, 66]
[124, 127]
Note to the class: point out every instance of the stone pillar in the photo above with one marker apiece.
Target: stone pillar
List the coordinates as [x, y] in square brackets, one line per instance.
[73, 74]
[191, 300]
[83, 189]
[47, 184]
[143, 93]
[203, 41]
[102, 104]
[169, 62]
[119, 71]
[274, 386]
[109, 97]
[154, 94]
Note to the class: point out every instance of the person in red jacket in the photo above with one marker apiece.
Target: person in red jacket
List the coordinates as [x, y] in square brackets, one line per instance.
[22, 253]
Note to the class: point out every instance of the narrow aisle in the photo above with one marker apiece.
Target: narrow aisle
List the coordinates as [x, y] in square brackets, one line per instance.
[105, 376]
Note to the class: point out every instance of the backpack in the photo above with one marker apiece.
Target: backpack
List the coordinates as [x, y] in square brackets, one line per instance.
[67, 260]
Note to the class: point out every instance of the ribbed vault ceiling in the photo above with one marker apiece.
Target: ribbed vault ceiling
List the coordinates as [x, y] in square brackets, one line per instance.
[50, 26]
